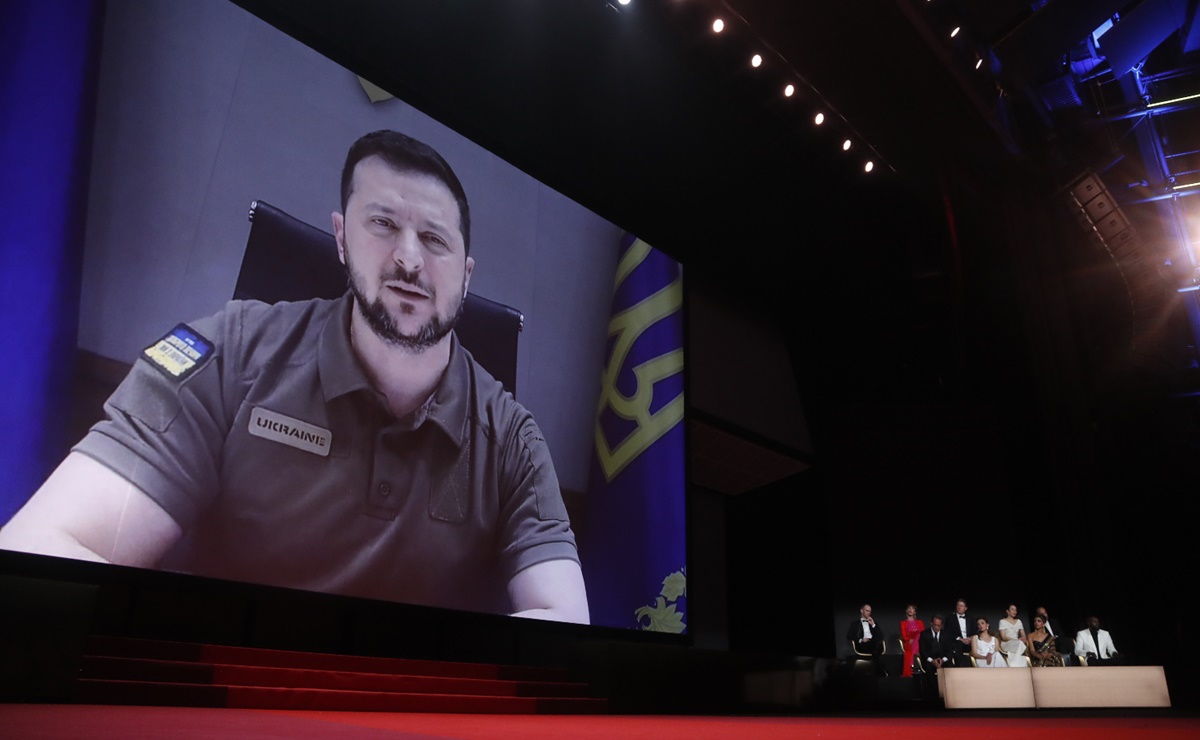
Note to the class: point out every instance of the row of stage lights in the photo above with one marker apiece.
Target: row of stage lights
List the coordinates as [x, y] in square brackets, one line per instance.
[822, 116]
[975, 53]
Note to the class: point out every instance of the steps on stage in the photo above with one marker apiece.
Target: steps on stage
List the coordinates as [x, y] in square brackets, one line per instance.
[153, 672]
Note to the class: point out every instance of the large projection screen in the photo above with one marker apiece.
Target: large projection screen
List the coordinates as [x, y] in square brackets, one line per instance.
[203, 108]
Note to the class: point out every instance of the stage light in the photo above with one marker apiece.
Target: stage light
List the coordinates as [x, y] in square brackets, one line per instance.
[819, 119]
[868, 166]
[789, 91]
[955, 31]
[1186, 186]
[978, 62]
[623, 2]
[756, 60]
[846, 145]
[718, 25]
[1172, 101]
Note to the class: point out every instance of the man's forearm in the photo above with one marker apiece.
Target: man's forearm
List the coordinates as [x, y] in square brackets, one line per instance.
[551, 590]
[58, 544]
[86, 511]
[556, 614]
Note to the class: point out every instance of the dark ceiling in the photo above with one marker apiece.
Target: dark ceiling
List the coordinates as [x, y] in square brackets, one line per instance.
[646, 116]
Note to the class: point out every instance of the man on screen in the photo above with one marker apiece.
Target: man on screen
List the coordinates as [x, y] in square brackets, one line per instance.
[348, 446]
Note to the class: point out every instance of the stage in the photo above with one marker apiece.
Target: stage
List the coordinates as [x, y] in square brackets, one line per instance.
[52, 722]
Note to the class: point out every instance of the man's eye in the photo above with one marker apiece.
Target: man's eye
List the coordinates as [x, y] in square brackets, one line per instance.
[435, 240]
[382, 223]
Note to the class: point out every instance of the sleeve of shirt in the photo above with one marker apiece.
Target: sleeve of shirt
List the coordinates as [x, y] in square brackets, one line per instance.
[534, 526]
[164, 433]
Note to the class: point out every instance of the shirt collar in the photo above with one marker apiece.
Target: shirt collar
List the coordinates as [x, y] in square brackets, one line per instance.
[449, 407]
[338, 367]
[341, 373]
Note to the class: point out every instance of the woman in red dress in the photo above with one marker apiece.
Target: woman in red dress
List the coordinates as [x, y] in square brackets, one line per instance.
[910, 634]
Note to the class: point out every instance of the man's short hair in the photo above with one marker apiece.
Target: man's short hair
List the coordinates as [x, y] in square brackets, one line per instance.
[406, 154]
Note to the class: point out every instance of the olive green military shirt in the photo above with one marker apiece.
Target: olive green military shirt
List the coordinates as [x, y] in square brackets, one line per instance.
[258, 431]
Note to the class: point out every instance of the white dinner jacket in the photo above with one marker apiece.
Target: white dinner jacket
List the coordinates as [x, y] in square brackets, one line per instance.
[1084, 644]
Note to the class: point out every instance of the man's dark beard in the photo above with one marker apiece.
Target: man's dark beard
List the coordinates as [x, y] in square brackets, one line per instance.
[384, 325]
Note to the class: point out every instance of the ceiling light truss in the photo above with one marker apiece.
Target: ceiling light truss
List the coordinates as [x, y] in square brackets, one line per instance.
[764, 59]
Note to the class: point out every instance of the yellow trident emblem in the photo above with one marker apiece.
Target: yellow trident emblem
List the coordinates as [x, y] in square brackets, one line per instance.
[627, 326]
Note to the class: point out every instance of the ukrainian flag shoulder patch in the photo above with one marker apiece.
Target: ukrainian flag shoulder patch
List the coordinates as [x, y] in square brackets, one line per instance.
[180, 353]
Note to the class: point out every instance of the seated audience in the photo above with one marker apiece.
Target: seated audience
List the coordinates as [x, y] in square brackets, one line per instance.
[1043, 652]
[910, 635]
[985, 647]
[937, 647]
[866, 637]
[1051, 624]
[961, 627]
[1096, 645]
[1012, 638]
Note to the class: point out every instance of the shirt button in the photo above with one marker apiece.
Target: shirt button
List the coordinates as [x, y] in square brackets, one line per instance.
[384, 489]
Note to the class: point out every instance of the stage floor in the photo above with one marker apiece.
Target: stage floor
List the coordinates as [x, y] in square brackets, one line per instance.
[76, 722]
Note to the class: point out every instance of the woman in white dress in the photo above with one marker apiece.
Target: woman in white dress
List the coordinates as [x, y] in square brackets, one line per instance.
[1012, 638]
[985, 647]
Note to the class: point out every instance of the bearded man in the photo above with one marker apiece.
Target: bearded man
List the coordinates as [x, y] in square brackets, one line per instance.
[349, 446]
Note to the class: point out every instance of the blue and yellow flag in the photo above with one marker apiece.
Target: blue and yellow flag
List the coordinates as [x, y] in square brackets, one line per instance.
[632, 542]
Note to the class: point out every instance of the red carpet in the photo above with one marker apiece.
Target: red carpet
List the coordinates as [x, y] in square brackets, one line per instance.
[76, 722]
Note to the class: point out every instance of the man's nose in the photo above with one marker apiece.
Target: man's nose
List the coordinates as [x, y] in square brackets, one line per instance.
[407, 251]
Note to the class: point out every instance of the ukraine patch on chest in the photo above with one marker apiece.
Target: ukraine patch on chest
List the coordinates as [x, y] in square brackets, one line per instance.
[180, 353]
[284, 429]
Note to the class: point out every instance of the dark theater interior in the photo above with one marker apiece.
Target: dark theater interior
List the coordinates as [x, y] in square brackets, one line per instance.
[941, 343]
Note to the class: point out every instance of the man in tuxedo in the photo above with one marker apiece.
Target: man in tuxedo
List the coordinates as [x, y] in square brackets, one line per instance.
[867, 638]
[1096, 645]
[937, 647]
[959, 629]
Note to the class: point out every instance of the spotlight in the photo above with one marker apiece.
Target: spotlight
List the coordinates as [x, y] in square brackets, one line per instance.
[789, 91]
[623, 2]
[820, 118]
[868, 166]
[718, 25]
[846, 145]
[978, 62]
[756, 60]
[1172, 101]
[955, 31]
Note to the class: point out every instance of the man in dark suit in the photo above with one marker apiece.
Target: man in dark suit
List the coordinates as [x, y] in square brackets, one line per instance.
[867, 638]
[936, 646]
[959, 629]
